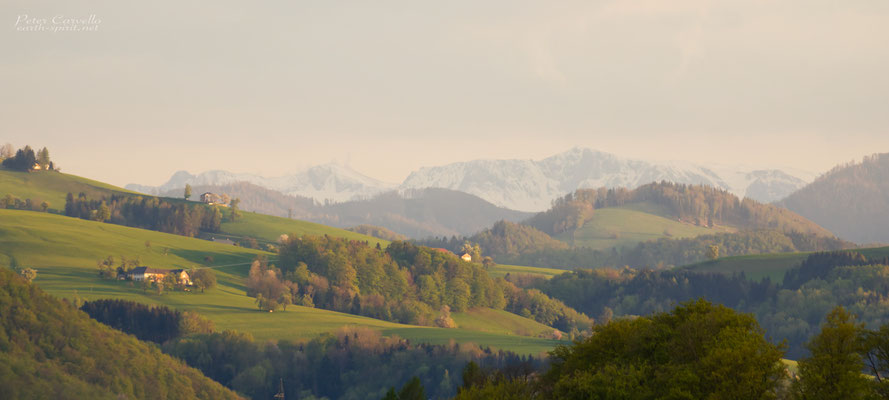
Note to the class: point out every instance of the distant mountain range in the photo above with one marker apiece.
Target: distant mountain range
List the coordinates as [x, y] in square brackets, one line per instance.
[531, 185]
[851, 200]
[328, 182]
[416, 213]
[526, 185]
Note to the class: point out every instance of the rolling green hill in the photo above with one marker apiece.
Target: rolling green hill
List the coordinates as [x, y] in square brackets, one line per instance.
[501, 322]
[51, 186]
[605, 218]
[772, 266]
[65, 252]
[631, 224]
[54, 186]
[268, 228]
[48, 349]
[501, 271]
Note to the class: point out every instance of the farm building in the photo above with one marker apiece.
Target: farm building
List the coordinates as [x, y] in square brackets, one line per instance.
[154, 275]
[215, 199]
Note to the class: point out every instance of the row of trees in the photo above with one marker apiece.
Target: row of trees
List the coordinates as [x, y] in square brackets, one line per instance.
[790, 310]
[510, 243]
[156, 324]
[12, 202]
[352, 363]
[147, 213]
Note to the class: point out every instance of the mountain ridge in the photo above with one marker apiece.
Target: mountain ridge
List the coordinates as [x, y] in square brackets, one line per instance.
[523, 185]
[851, 200]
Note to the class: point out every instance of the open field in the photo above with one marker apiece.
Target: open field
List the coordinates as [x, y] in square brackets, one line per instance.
[501, 270]
[65, 252]
[51, 186]
[54, 186]
[499, 321]
[625, 226]
[268, 228]
[772, 266]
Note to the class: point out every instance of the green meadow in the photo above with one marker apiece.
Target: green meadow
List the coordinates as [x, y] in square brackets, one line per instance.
[268, 228]
[65, 252]
[52, 186]
[772, 266]
[628, 225]
[501, 271]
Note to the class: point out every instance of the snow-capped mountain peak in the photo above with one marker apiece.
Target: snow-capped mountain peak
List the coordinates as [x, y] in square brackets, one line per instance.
[524, 185]
[322, 182]
[530, 185]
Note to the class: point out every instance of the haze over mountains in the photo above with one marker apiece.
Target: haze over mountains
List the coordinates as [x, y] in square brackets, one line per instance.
[526, 185]
[851, 200]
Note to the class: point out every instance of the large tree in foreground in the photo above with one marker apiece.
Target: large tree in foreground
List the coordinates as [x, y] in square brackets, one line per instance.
[697, 351]
[834, 370]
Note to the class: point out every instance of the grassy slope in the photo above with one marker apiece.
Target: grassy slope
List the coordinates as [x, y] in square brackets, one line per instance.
[501, 270]
[54, 186]
[621, 226]
[772, 266]
[499, 321]
[268, 228]
[50, 186]
[58, 352]
[65, 251]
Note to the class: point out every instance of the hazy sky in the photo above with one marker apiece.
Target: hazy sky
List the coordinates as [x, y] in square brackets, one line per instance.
[386, 87]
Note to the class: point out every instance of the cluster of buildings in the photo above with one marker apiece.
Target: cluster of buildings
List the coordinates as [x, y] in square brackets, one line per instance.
[153, 274]
[215, 199]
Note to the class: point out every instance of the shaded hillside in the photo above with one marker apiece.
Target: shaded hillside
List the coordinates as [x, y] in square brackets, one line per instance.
[48, 349]
[507, 239]
[851, 200]
[415, 213]
[695, 205]
[420, 213]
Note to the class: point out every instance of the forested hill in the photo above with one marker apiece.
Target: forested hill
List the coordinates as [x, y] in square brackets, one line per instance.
[48, 349]
[415, 213]
[698, 205]
[851, 200]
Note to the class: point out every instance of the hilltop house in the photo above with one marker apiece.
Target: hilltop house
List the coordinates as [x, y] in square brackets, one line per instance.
[215, 199]
[154, 275]
[466, 257]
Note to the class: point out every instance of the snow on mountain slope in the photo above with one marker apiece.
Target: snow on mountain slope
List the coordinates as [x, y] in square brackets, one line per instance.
[529, 185]
[323, 182]
[523, 185]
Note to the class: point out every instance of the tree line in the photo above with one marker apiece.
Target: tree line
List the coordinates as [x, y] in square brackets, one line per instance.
[790, 310]
[14, 203]
[352, 363]
[156, 324]
[699, 350]
[150, 213]
[511, 243]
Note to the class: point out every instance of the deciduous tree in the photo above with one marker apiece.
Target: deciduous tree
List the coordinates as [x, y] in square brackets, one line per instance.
[834, 369]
